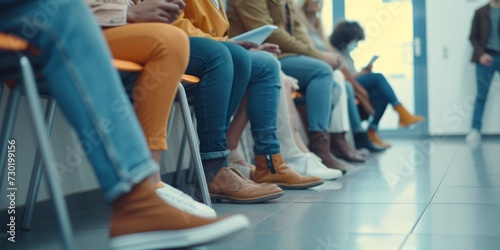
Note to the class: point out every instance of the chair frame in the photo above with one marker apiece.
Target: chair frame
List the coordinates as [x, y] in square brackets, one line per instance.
[45, 154]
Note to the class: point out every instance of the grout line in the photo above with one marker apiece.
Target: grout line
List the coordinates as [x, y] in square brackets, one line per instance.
[289, 203]
[275, 212]
[430, 201]
[295, 201]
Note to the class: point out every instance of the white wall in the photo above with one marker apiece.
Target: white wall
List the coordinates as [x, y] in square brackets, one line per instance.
[451, 77]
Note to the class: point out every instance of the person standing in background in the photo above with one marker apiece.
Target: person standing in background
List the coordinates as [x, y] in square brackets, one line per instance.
[485, 39]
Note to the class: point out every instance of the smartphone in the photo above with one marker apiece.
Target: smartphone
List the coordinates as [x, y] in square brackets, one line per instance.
[373, 60]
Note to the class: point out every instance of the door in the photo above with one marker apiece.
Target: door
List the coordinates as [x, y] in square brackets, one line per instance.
[395, 31]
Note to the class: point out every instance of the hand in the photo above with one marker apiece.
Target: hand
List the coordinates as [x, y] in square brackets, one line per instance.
[246, 45]
[271, 48]
[333, 59]
[164, 11]
[179, 3]
[486, 60]
[367, 69]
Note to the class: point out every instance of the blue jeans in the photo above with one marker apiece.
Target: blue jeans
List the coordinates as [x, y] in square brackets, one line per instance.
[263, 100]
[354, 116]
[79, 74]
[316, 82]
[484, 76]
[219, 92]
[381, 94]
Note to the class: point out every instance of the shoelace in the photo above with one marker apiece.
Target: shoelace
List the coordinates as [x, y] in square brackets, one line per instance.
[178, 192]
[178, 197]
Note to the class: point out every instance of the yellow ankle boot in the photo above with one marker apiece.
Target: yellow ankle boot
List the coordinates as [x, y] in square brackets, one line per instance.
[406, 118]
[372, 134]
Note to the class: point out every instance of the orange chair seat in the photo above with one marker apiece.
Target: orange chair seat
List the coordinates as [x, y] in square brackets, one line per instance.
[127, 65]
[13, 43]
[134, 67]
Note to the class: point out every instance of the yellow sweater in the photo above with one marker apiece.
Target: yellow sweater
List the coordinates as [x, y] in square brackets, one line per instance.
[201, 18]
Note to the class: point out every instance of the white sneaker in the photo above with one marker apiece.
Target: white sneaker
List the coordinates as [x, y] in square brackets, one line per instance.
[192, 236]
[310, 165]
[474, 137]
[184, 202]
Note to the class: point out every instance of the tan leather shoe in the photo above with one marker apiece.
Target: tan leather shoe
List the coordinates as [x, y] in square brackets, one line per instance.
[229, 184]
[142, 220]
[272, 169]
[248, 180]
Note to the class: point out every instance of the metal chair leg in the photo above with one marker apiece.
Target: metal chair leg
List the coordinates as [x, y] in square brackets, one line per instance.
[47, 154]
[1, 90]
[37, 172]
[180, 160]
[171, 118]
[191, 177]
[183, 144]
[8, 125]
[193, 143]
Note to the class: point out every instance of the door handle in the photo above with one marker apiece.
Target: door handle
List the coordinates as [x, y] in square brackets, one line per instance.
[417, 46]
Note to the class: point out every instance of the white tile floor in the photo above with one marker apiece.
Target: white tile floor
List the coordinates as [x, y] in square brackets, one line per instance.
[417, 195]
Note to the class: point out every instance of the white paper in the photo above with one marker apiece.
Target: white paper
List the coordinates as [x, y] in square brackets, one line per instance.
[257, 36]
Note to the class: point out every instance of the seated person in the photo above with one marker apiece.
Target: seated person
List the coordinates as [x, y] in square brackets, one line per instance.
[209, 60]
[311, 10]
[344, 39]
[293, 150]
[154, 92]
[312, 68]
[206, 18]
[77, 68]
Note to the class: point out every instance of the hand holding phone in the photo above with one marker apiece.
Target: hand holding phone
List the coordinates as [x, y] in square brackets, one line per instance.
[372, 61]
[369, 66]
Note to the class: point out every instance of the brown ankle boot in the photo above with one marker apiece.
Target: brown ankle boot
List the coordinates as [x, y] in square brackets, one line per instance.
[406, 118]
[342, 149]
[319, 144]
[272, 169]
[231, 185]
[142, 220]
[372, 134]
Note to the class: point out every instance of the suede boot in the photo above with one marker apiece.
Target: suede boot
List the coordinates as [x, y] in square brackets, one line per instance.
[362, 140]
[272, 169]
[342, 149]
[319, 144]
[372, 134]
